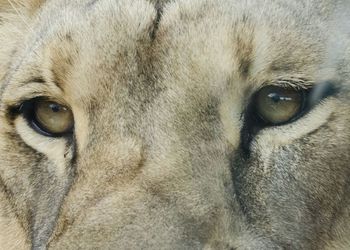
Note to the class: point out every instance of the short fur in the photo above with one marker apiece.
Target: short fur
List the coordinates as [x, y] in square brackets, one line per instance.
[159, 157]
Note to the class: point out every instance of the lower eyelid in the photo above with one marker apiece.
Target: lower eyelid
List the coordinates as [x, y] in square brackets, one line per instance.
[58, 150]
[286, 134]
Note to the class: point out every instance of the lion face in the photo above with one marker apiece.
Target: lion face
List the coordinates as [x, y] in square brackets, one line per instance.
[183, 125]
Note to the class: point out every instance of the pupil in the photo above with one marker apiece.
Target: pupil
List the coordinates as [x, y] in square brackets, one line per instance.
[55, 108]
[276, 98]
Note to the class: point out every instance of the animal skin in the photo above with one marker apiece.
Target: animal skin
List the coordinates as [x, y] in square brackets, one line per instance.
[164, 154]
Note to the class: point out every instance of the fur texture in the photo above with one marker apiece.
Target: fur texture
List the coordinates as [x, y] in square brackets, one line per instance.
[159, 157]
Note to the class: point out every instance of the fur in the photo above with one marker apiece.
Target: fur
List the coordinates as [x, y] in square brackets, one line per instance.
[159, 158]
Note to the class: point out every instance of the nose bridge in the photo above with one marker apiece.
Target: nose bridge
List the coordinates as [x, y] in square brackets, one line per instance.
[114, 146]
[106, 171]
[111, 154]
[105, 166]
[115, 156]
[185, 169]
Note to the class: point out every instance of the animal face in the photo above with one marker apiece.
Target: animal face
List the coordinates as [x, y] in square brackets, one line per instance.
[174, 125]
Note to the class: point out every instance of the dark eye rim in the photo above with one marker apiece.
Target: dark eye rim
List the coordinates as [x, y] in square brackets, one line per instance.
[27, 110]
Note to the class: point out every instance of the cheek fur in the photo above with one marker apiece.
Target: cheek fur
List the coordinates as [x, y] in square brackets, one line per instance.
[55, 149]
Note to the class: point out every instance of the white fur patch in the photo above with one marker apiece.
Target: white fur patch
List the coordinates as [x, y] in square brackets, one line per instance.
[54, 148]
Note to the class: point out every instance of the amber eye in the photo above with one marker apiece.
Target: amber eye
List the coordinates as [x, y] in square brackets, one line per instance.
[48, 118]
[278, 105]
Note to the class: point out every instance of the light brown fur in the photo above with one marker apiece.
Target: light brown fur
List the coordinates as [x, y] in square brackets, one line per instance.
[158, 90]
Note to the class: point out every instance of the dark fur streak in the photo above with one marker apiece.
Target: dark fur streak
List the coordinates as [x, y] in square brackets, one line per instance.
[71, 142]
[56, 80]
[38, 79]
[236, 167]
[91, 4]
[244, 67]
[155, 27]
[9, 196]
[69, 37]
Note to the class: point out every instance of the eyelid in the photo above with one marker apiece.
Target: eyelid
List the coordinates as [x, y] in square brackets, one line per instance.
[291, 82]
[18, 108]
[16, 94]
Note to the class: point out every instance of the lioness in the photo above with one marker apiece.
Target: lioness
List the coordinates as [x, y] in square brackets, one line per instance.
[185, 124]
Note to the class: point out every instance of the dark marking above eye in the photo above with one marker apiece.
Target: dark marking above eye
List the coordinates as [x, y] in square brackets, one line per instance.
[62, 64]
[91, 4]
[159, 8]
[244, 52]
[38, 79]
[69, 37]
[244, 67]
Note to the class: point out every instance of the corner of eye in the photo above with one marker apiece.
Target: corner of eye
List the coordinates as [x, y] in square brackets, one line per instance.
[12, 108]
[321, 92]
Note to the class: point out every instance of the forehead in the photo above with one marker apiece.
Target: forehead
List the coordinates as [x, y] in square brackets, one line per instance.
[250, 41]
[108, 46]
[78, 47]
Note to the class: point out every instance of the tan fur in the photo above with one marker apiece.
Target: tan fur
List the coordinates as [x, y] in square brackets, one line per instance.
[159, 90]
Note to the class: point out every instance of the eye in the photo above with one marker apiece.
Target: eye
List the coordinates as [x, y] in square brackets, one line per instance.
[48, 118]
[278, 105]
